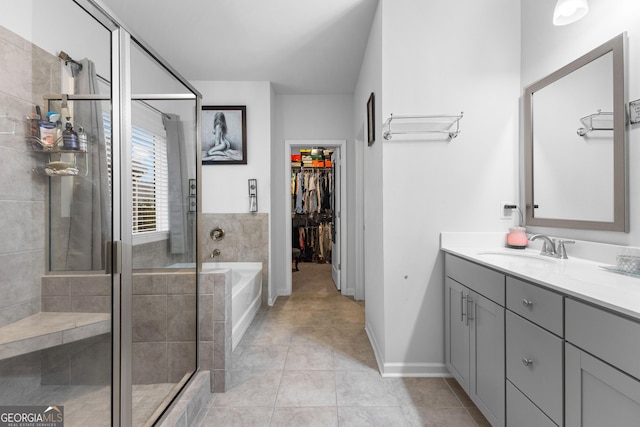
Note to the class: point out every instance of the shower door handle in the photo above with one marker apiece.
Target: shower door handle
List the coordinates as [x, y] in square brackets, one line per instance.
[116, 251]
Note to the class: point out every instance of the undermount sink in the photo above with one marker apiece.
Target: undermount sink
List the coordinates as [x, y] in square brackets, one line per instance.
[525, 257]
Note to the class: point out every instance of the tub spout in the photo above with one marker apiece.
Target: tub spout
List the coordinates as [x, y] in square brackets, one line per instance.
[215, 253]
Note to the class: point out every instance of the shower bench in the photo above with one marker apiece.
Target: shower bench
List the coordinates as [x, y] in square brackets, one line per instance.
[45, 330]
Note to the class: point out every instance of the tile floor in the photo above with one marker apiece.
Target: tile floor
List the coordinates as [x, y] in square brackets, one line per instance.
[86, 405]
[307, 361]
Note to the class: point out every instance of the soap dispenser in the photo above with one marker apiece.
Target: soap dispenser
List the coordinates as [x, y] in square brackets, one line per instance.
[69, 137]
[517, 236]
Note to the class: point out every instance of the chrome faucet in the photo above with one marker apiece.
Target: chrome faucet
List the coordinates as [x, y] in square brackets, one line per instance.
[549, 246]
[215, 253]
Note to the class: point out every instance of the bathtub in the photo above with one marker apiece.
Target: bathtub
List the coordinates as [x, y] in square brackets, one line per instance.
[246, 294]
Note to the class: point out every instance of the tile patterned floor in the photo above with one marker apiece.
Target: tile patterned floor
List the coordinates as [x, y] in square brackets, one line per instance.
[307, 361]
[86, 405]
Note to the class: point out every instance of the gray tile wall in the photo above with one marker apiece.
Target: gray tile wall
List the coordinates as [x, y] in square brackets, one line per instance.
[27, 73]
[246, 240]
[157, 255]
[90, 293]
[18, 377]
[215, 327]
[191, 406]
[164, 326]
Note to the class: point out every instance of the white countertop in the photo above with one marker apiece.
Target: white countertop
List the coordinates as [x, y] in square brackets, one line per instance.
[580, 278]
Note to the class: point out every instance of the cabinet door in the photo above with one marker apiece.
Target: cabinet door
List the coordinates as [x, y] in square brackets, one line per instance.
[521, 412]
[534, 364]
[596, 394]
[487, 380]
[457, 331]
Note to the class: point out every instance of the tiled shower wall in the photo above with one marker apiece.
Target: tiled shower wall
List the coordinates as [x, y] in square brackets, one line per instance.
[246, 240]
[27, 73]
[164, 326]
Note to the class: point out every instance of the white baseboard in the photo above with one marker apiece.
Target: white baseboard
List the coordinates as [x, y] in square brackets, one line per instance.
[401, 369]
[426, 370]
[348, 292]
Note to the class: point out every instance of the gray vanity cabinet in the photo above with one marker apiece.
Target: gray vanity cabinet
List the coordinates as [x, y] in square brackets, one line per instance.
[602, 367]
[534, 328]
[474, 322]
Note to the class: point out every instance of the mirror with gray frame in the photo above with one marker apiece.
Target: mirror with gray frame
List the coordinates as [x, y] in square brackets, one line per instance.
[574, 141]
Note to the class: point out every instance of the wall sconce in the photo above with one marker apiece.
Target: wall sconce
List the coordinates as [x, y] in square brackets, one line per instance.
[253, 195]
[569, 11]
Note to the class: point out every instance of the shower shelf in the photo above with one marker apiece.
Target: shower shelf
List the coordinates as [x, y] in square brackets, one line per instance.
[415, 125]
[46, 330]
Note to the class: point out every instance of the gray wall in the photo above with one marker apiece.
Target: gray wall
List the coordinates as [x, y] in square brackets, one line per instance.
[246, 240]
[27, 74]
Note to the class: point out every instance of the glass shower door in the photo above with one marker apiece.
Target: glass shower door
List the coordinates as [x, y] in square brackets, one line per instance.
[55, 195]
[164, 281]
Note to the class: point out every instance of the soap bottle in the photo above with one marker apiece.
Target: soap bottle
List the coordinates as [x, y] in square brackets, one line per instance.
[69, 137]
[82, 140]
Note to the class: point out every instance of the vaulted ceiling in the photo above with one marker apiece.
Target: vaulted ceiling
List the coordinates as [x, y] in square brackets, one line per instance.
[301, 46]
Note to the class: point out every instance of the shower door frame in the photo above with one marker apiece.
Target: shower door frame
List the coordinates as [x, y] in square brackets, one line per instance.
[121, 266]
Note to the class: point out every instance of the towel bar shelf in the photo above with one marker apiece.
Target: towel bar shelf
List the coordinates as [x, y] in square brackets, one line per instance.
[408, 125]
[597, 121]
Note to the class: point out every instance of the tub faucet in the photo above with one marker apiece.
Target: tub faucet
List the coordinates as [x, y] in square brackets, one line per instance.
[215, 253]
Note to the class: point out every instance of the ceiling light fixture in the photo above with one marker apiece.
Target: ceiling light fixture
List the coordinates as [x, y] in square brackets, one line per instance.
[569, 11]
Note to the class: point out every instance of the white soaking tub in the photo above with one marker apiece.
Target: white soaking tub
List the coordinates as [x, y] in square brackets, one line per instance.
[246, 294]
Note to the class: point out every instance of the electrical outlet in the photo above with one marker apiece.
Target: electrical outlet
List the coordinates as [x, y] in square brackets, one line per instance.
[507, 213]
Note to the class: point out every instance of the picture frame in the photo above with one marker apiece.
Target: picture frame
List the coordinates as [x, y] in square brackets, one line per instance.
[224, 135]
[371, 118]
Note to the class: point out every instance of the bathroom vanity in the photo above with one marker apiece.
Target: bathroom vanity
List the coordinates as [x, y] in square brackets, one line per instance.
[538, 341]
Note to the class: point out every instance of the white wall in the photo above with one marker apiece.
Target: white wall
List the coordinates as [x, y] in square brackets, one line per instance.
[45, 25]
[301, 117]
[442, 58]
[546, 48]
[224, 187]
[370, 80]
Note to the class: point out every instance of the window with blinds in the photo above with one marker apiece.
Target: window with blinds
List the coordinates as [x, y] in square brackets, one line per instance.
[149, 172]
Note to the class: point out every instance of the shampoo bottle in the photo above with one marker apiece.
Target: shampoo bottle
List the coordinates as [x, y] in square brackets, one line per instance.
[69, 137]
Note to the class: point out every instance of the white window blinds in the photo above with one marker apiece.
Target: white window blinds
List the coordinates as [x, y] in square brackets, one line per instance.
[150, 183]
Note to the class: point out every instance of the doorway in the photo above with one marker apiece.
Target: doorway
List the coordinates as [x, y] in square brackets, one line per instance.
[338, 225]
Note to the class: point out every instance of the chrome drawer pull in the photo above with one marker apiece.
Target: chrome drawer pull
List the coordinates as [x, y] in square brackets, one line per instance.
[527, 303]
[527, 362]
[463, 297]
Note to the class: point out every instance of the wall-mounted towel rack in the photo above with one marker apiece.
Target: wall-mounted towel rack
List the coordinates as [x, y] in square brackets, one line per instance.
[405, 125]
[597, 121]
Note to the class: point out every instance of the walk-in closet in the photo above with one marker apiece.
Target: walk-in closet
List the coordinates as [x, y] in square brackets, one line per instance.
[314, 209]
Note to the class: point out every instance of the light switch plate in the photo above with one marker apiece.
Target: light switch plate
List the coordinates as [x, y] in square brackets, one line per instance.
[634, 111]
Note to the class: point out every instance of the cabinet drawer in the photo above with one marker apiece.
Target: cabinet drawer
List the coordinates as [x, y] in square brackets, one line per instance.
[614, 339]
[480, 279]
[534, 364]
[522, 413]
[539, 305]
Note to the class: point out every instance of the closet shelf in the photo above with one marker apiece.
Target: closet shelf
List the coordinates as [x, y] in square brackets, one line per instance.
[597, 121]
[406, 125]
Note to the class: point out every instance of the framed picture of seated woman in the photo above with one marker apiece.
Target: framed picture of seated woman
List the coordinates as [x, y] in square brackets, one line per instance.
[224, 135]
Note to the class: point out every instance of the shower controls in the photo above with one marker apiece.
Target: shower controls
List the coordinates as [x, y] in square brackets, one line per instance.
[217, 234]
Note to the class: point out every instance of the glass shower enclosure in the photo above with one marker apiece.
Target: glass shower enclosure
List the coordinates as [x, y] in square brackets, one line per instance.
[99, 146]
